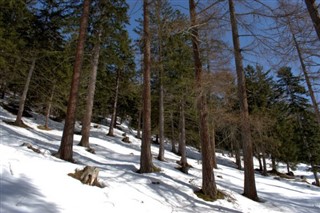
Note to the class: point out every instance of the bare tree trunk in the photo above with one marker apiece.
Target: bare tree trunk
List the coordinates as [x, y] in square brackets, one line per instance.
[48, 110]
[23, 98]
[86, 121]
[161, 105]
[161, 118]
[146, 165]
[208, 180]
[315, 173]
[180, 138]
[273, 164]
[258, 156]
[3, 90]
[310, 89]
[213, 146]
[115, 103]
[66, 147]
[183, 160]
[249, 179]
[139, 124]
[264, 171]
[314, 14]
[288, 167]
[238, 155]
[173, 142]
[235, 146]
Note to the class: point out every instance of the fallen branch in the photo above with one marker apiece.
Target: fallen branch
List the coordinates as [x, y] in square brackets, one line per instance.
[29, 146]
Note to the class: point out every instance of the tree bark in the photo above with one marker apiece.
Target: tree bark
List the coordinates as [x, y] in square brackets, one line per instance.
[315, 173]
[213, 146]
[146, 165]
[115, 103]
[264, 171]
[288, 167]
[173, 142]
[238, 155]
[314, 14]
[49, 105]
[208, 180]
[139, 124]
[161, 105]
[66, 147]
[249, 179]
[161, 115]
[86, 121]
[306, 75]
[183, 160]
[23, 98]
[273, 164]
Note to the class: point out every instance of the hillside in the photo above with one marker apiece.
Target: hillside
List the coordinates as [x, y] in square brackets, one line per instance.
[37, 183]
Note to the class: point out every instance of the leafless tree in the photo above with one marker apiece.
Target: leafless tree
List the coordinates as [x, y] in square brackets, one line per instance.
[208, 180]
[314, 14]
[249, 178]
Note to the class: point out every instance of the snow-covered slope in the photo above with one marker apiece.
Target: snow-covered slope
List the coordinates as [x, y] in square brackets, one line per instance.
[38, 183]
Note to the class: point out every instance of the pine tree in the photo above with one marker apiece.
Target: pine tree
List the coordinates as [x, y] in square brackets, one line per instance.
[146, 165]
[66, 147]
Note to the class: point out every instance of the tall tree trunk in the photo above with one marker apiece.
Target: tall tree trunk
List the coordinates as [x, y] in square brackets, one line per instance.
[161, 105]
[86, 121]
[146, 165]
[249, 179]
[23, 98]
[173, 141]
[115, 104]
[310, 89]
[273, 164]
[139, 124]
[161, 116]
[208, 180]
[315, 173]
[66, 147]
[258, 156]
[49, 105]
[235, 146]
[264, 171]
[314, 14]
[180, 138]
[288, 167]
[238, 155]
[183, 160]
[3, 90]
[213, 146]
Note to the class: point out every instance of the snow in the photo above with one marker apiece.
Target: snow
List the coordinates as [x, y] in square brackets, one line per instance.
[37, 183]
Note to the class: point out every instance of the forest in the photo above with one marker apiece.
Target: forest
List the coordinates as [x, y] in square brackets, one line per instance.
[240, 76]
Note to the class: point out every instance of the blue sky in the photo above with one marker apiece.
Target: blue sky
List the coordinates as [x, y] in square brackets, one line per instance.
[135, 12]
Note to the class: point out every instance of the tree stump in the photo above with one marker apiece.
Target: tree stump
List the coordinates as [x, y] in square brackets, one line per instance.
[88, 175]
[126, 140]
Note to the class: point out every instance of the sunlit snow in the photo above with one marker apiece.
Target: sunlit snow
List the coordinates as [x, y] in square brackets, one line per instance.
[38, 183]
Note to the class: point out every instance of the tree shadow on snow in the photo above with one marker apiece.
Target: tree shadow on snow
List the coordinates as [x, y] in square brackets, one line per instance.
[19, 195]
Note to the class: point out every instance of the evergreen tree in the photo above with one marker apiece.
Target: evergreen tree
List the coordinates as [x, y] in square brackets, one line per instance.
[292, 103]
[65, 150]
[146, 165]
